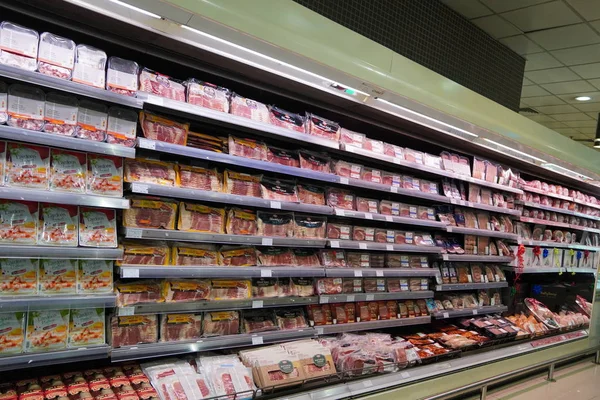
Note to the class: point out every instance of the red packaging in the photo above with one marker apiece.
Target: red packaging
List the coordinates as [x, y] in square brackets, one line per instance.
[350, 311]
[75, 382]
[338, 312]
[8, 391]
[29, 389]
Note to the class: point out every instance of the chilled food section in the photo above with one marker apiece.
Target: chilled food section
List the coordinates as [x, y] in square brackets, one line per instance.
[143, 216]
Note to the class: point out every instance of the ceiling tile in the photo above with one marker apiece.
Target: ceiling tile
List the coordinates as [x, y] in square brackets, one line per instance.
[554, 124]
[521, 44]
[468, 8]
[587, 8]
[543, 101]
[595, 82]
[533, 90]
[496, 26]
[588, 107]
[570, 98]
[590, 123]
[540, 118]
[500, 6]
[559, 109]
[542, 16]
[540, 61]
[552, 75]
[567, 131]
[588, 131]
[527, 82]
[578, 55]
[568, 87]
[587, 71]
[565, 36]
[571, 117]
[593, 116]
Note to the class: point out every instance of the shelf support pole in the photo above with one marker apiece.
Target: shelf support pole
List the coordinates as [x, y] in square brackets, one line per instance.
[483, 395]
[551, 374]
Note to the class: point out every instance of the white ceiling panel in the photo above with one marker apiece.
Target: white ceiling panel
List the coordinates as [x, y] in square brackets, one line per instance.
[554, 125]
[542, 16]
[570, 98]
[559, 109]
[565, 36]
[500, 6]
[543, 101]
[527, 82]
[552, 75]
[533, 90]
[571, 117]
[587, 71]
[593, 116]
[468, 8]
[568, 87]
[587, 8]
[568, 131]
[595, 82]
[578, 55]
[588, 107]
[496, 26]
[588, 131]
[540, 61]
[540, 118]
[521, 44]
[590, 123]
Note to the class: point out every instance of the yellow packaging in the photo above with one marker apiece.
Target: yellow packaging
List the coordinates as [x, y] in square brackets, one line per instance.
[146, 253]
[187, 222]
[195, 254]
[47, 330]
[222, 289]
[95, 276]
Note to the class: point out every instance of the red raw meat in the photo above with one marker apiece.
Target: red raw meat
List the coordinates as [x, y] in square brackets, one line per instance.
[371, 175]
[281, 190]
[283, 157]
[291, 318]
[242, 184]
[161, 85]
[221, 323]
[346, 169]
[315, 161]
[309, 194]
[340, 198]
[162, 129]
[53, 70]
[199, 178]
[174, 327]
[322, 127]
[275, 256]
[247, 148]
[200, 218]
[186, 290]
[367, 205]
[259, 321]
[248, 108]
[131, 330]
[241, 222]
[381, 236]
[207, 95]
[306, 257]
[362, 233]
[376, 146]
[285, 119]
[275, 224]
[389, 208]
[338, 231]
[265, 288]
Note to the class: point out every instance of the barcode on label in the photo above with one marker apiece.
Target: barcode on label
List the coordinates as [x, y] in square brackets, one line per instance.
[266, 273]
[276, 204]
[267, 241]
[257, 304]
[130, 273]
[146, 144]
[134, 233]
[257, 340]
[139, 188]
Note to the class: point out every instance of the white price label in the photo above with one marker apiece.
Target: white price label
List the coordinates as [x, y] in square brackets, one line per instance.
[469, 204]
[257, 304]
[134, 233]
[146, 144]
[156, 100]
[126, 311]
[358, 274]
[319, 331]
[397, 160]
[378, 273]
[453, 201]
[340, 212]
[362, 246]
[405, 375]
[276, 204]
[393, 189]
[324, 300]
[267, 242]
[334, 244]
[266, 273]
[367, 383]
[389, 218]
[350, 298]
[449, 228]
[445, 257]
[256, 340]
[370, 297]
[474, 312]
[524, 347]
[130, 273]
[446, 315]
[368, 216]
[139, 188]
[389, 247]
[343, 181]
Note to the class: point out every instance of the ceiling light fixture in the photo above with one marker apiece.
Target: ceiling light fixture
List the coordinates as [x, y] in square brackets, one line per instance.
[583, 98]
[510, 149]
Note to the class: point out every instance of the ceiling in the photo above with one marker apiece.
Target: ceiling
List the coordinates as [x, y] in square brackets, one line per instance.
[560, 39]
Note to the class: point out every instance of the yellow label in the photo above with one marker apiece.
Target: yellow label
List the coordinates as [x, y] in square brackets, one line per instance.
[145, 250]
[135, 288]
[225, 284]
[245, 142]
[132, 320]
[187, 286]
[222, 316]
[180, 318]
[188, 251]
[236, 253]
[241, 177]
[146, 203]
[244, 215]
[199, 208]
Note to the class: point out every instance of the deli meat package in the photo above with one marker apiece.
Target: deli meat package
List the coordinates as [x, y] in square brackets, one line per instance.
[161, 85]
[346, 169]
[351, 138]
[97, 227]
[95, 276]
[339, 231]
[248, 108]
[290, 318]
[306, 257]
[199, 178]
[247, 148]
[194, 254]
[281, 156]
[60, 114]
[257, 321]
[333, 258]
[182, 290]
[176, 327]
[134, 329]
[275, 224]
[27, 166]
[90, 66]
[158, 128]
[228, 377]
[25, 107]
[201, 218]
[362, 233]
[18, 46]
[241, 222]
[285, 119]
[238, 256]
[56, 56]
[150, 212]
[340, 198]
[58, 225]
[86, 327]
[122, 76]
[122, 126]
[278, 189]
[207, 95]
[309, 227]
[221, 323]
[242, 184]
[322, 127]
[376, 146]
[67, 171]
[12, 338]
[315, 161]
[229, 289]
[104, 175]
[138, 292]
[47, 330]
[18, 222]
[18, 276]
[276, 256]
[265, 288]
[150, 171]
[309, 194]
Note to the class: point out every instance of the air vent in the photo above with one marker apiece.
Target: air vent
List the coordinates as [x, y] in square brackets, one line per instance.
[527, 111]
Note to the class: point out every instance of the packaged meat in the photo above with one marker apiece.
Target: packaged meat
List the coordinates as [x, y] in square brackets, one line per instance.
[302, 287]
[351, 138]
[331, 258]
[90, 66]
[339, 231]
[358, 260]
[18, 222]
[257, 321]
[414, 156]
[60, 114]
[322, 127]
[241, 222]
[12, 338]
[122, 126]
[3, 102]
[393, 151]
[265, 288]
[275, 224]
[247, 148]
[201, 218]
[367, 205]
[432, 161]
[207, 95]
[328, 286]
[97, 227]
[221, 323]
[132, 330]
[150, 171]
[346, 169]
[242, 184]
[362, 233]
[309, 227]
[248, 108]
[314, 161]
[155, 127]
[122, 76]
[183, 290]
[86, 327]
[491, 172]
[290, 318]
[223, 289]
[194, 254]
[18, 46]
[95, 276]
[161, 85]
[47, 330]
[176, 327]
[278, 189]
[58, 225]
[18, 276]
[388, 207]
[374, 285]
[285, 119]
[67, 171]
[199, 178]
[384, 236]
[233, 256]
[138, 292]
[104, 175]
[276, 256]
[376, 146]
[150, 212]
[340, 198]
[306, 257]
[281, 156]
[56, 56]
[25, 106]
[391, 179]
[309, 194]
[352, 285]
[27, 166]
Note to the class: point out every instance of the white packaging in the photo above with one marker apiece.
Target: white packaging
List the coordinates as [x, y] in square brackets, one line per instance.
[90, 66]
[122, 76]
[60, 114]
[25, 107]
[56, 56]
[18, 46]
[58, 276]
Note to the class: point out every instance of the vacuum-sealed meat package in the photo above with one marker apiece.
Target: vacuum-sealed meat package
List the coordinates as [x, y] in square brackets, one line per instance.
[18, 222]
[183, 290]
[161, 85]
[306, 257]
[241, 222]
[150, 213]
[221, 323]
[177, 327]
[90, 66]
[309, 194]
[86, 327]
[322, 127]
[199, 178]
[57, 277]
[18, 46]
[97, 227]
[58, 225]
[12, 338]
[60, 114]
[275, 224]
[340, 198]
[92, 121]
[132, 330]
[104, 175]
[248, 108]
[265, 288]
[278, 189]
[309, 227]
[247, 148]
[242, 184]
[331, 258]
[122, 76]
[339, 231]
[95, 276]
[138, 292]
[27, 166]
[257, 321]
[122, 126]
[346, 169]
[290, 318]
[67, 171]
[281, 156]
[46, 330]
[194, 254]
[201, 218]
[56, 56]
[302, 287]
[351, 138]
[237, 256]
[376, 146]
[315, 161]
[230, 289]
[207, 95]
[367, 205]
[155, 127]
[285, 119]
[25, 107]
[276, 256]
[328, 286]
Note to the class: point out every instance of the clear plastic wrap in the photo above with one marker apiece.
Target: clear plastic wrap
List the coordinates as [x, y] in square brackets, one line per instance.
[150, 171]
[376, 146]
[184, 290]
[12, 338]
[90, 66]
[248, 108]
[86, 327]
[67, 171]
[351, 138]
[92, 121]
[155, 127]
[241, 222]
[236, 256]
[276, 256]
[333, 258]
[26, 107]
[134, 329]
[279, 224]
[247, 148]
[194, 254]
[306, 257]
[56, 56]
[207, 95]
[177, 327]
[201, 218]
[309, 227]
[95, 276]
[18, 46]
[339, 231]
[161, 85]
[3, 102]
[104, 175]
[286, 119]
[278, 189]
[151, 213]
[283, 157]
[340, 198]
[322, 127]
[97, 227]
[122, 76]
[18, 276]
[27, 166]
[58, 225]
[257, 321]
[309, 194]
[315, 161]
[199, 178]
[230, 289]
[242, 184]
[47, 330]
[58, 276]
[122, 126]
[346, 169]
[371, 175]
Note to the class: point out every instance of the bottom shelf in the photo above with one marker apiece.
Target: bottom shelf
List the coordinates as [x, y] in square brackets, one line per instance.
[33, 360]
[469, 312]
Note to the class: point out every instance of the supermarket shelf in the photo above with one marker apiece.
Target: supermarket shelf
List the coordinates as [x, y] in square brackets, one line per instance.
[544, 222]
[476, 258]
[67, 142]
[546, 208]
[478, 206]
[15, 193]
[581, 215]
[68, 86]
[584, 228]
[350, 298]
[173, 271]
[560, 245]
[597, 206]
[388, 218]
[369, 325]
[545, 193]
[142, 351]
[218, 197]
[83, 253]
[162, 234]
[469, 286]
[469, 311]
[53, 302]
[358, 245]
[233, 121]
[195, 306]
[549, 270]
[53, 357]
[482, 232]
[382, 272]
[380, 187]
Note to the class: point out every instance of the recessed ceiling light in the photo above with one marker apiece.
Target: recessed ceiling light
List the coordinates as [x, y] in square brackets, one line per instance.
[583, 98]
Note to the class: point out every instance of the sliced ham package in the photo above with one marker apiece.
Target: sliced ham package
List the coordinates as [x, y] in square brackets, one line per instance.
[161, 85]
[18, 222]
[27, 166]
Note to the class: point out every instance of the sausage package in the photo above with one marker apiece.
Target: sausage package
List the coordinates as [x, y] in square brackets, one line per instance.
[104, 175]
[47, 330]
[67, 171]
[27, 166]
[58, 225]
[97, 227]
[58, 276]
[18, 276]
[86, 327]
[95, 276]
[18, 222]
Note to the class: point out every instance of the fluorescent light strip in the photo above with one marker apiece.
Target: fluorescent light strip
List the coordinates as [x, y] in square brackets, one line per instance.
[237, 46]
[134, 8]
[558, 168]
[513, 150]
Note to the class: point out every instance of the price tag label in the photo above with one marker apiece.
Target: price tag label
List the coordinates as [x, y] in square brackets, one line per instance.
[474, 312]
[445, 257]
[267, 241]
[378, 273]
[370, 297]
[368, 216]
[343, 181]
[334, 243]
[139, 188]
[130, 273]
[358, 274]
[257, 304]
[257, 340]
[362, 246]
[340, 212]
[449, 228]
[446, 315]
[134, 233]
[276, 205]
[524, 347]
[324, 299]
[397, 160]
[469, 204]
[389, 247]
[394, 189]
[350, 298]
[266, 273]
[126, 311]
[405, 375]
[453, 201]
[389, 218]
[145, 143]
[319, 331]
[367, 383]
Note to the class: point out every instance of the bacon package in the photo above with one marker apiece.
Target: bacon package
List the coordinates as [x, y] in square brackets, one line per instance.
[242, 184]
[309, 227]
[207, 95]
[12, 336]
[97, 227]
[257, 321]
[221, 323]
[290, 318]
[247, 148]
[139, 292]
[265, 288]
[25, 106]
[280, 156]
[241, 222]
[159, 128]
[58, 225]
[105, 175]
[322, 127]
[133, 329]
[58, 276]
[177, 327]
[286, 119]
[340, 198]
[276, 256]
[182, 290]
[201, 218]
[351, 138]
[194, 254]
[199, 178]
[319, 162]
[27, 166]
[150, 171]
[278, 189]
[161, 85]
[235, 256]
[328, 286]
[47, 330]
[248, 108]
[122, 126]
[92, 121]
[67, 171]
[309, 194]
[150, 212]
[275, 224]
[302, 287]
[60, 114]
[86, 327]
[18, 276]
[95, 276]
[229, 289]
[307, 257]
[145, 253]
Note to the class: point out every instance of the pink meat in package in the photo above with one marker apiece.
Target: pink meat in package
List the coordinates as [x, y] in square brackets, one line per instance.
[27, 166]
[248, 108]
[314, 161]
[247, 148]
[207, 95]
[340, 198]
[97, 227]
[161, 85]
[286, 119]
[351, 138]
[322, 127]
